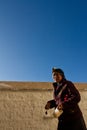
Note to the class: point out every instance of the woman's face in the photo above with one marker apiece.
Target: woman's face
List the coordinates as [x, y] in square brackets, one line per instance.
[57, 77]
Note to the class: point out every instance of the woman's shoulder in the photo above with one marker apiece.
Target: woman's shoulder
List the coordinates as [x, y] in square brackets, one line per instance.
[70, 83]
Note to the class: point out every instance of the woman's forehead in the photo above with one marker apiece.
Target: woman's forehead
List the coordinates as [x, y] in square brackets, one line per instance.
[55, 73]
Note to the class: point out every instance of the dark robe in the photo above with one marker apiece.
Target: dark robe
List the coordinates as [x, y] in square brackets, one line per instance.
[66, 93]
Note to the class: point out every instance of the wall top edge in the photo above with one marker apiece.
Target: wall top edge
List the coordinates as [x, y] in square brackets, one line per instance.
[17, 85]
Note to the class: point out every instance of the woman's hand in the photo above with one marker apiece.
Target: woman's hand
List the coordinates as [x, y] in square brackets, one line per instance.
[60, 107]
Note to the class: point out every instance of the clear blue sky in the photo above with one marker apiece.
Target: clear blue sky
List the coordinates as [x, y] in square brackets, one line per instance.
[36, 35]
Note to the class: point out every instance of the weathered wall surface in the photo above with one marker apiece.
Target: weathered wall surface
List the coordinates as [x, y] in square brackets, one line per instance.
[22, 105]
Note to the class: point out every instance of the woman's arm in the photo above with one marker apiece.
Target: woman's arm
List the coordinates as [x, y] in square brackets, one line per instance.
[72, 98]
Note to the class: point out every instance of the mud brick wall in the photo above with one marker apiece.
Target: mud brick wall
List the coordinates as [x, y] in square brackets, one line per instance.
[22, 105]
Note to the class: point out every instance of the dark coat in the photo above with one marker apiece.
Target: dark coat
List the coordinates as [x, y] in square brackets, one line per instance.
[66, 93]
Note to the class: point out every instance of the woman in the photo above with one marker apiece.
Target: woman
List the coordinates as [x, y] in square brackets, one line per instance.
[66, 98]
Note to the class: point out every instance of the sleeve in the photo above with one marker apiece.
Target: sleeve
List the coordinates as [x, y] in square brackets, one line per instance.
[52, 103]
[72, 98]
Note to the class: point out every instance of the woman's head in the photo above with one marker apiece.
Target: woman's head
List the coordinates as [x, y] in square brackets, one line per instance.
[58, 74]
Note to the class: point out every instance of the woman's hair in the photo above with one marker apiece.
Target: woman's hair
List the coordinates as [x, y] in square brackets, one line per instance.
[59, 71]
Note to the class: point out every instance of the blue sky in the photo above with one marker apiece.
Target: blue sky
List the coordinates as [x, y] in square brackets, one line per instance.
[36, 35]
